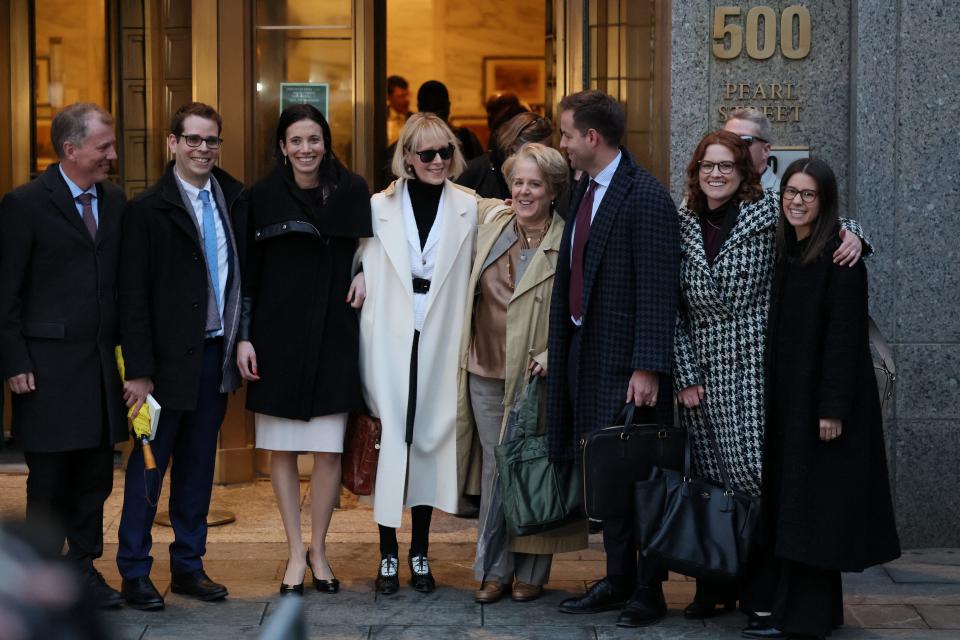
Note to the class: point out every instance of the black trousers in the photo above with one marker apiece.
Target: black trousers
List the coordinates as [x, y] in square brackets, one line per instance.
[626, 566]
[68, 489]
[419, 541]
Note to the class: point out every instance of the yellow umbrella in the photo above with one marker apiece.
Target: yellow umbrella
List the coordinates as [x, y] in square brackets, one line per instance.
[139, 422]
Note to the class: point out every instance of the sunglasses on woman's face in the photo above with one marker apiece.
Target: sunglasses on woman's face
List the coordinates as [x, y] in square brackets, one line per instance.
[427, 155]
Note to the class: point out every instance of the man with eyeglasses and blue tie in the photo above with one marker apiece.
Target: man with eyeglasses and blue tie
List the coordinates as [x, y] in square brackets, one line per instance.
[59, 250]
[179, 298]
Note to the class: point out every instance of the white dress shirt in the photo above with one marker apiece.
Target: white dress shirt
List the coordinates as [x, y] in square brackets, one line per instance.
[223, 268]
[422, 261]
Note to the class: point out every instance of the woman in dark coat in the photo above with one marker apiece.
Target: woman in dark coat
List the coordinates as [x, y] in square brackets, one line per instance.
[826, 492]
[299, 342]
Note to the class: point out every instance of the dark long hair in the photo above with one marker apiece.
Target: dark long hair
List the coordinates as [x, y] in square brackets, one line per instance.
[827, 224]
[295, 113]
[750, 189]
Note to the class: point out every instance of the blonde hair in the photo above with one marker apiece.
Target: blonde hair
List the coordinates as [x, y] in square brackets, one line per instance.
[549, 160]
[419, 127]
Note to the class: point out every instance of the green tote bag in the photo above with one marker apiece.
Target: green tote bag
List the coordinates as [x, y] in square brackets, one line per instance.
[537, 495]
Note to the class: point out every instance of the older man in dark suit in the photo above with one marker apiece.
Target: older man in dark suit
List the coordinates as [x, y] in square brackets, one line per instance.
[612, 324]
[59, 249]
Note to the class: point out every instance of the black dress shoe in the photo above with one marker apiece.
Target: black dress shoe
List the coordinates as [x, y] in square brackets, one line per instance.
[198, 585]
[388, 578]
[603, 595]
[702, 609]
[323, 586]
[100, 593]
[646, 606]
[420, 577]
[139, 593]
[759, 627]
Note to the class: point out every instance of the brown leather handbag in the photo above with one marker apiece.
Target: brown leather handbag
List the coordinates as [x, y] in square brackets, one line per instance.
[361, 450]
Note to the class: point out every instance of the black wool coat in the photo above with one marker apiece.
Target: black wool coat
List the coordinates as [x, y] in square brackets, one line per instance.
[631, 288]
[58, 315]
[296, 278]
[164, 288]
[827, 504]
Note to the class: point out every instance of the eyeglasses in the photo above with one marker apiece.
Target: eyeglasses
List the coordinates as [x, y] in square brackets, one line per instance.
[751, 139]
[725, 167]
[427, 155]
[193, 141]
[807, 195]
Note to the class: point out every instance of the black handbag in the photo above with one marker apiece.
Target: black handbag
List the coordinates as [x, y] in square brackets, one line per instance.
[537, 495]
[616, 457]
[695, 526]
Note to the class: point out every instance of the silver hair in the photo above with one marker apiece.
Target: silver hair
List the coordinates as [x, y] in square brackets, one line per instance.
[764, 130]
[70, 124]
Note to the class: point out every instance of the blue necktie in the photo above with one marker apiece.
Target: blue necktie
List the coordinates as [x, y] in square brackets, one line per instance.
[210, 245]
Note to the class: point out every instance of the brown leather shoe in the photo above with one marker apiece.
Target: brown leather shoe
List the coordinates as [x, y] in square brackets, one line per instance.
[490, 591]
[523, 592]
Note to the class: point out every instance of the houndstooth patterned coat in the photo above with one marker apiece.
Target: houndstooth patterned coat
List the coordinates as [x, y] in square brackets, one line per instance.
[630, 292]
[720, 338]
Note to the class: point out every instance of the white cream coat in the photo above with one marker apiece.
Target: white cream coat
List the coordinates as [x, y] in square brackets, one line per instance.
[386, 337]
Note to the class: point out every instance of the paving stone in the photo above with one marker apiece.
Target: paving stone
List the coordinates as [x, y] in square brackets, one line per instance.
[187, 611]
[929, 556]
[337, 632]
[673, 626]
[893, 634]
[398, 612]
[206, 631]
[907, 572]
[941, 617]
[907, 593]
[521, 632]
[126, 631]
[874, 616]
[542, 611]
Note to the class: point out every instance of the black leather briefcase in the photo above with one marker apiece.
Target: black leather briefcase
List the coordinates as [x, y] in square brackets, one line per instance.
[616, 457]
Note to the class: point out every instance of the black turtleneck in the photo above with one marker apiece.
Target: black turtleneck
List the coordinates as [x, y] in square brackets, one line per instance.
[716, 224]
[425, 199]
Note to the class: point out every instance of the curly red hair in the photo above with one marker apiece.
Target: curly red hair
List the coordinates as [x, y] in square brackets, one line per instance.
[750, 189]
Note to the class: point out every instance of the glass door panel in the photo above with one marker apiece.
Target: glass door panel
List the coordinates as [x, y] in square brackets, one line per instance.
[304, 53]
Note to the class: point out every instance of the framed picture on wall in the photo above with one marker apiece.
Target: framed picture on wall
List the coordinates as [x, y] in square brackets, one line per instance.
[524, 76]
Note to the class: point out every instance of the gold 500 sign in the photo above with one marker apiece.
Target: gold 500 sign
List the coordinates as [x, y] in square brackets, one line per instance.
[794, 32]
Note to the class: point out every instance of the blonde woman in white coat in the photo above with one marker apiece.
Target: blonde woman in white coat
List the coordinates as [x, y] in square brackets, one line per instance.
[415, 269]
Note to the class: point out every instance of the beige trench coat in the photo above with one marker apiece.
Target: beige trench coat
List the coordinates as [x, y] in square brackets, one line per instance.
[386, 337]
[528, 319]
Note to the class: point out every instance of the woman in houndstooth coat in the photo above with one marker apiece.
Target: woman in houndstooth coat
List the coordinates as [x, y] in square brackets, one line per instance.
[728, 239]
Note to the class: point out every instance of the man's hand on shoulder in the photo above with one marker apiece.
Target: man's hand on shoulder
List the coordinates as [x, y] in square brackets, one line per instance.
[135, 393]
[22, 383]
[642, 388]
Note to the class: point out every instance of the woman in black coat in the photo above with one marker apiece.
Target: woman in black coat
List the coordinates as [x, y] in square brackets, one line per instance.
[299, 337]
[826, 492]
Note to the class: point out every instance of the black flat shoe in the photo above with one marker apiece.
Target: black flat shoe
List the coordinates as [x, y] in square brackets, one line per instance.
[702, 609]
[759, 627]
[139, 593]
[293, 589]
[420, 577]
[601, 596]
[388, 578]
[323, 586]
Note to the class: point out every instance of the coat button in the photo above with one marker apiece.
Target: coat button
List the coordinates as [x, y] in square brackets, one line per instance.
[195, 256]
[258, 234]
[190, 351]
[283, 226]
[196, 305]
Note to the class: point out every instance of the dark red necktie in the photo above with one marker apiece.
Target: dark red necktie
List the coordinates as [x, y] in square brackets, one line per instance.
[88, 220]
[580, 233]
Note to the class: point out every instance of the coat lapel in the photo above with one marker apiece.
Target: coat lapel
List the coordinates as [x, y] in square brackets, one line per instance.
[602, 224]
[456, 228]
[754, 217]
[544, 263]
[181, 212]
[63, 199]
[393, 234]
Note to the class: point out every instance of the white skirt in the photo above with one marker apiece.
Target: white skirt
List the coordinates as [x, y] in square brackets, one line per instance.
[320, 434]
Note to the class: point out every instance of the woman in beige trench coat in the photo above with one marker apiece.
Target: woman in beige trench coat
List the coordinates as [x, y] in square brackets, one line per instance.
[504, 342]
